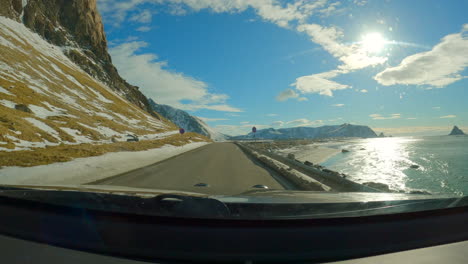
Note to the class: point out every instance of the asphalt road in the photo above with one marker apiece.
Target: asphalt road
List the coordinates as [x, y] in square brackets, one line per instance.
[223, 166]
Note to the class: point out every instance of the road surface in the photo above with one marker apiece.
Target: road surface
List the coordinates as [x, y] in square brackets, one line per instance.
[223, 166]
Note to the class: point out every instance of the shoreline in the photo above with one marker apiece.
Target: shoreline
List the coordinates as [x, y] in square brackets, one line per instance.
[316, 151]
[317, 154]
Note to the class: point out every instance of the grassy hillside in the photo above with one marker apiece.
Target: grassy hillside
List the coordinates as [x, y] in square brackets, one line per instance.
[47, 103]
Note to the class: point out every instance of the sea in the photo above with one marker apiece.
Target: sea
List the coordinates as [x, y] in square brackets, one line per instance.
[442, 162]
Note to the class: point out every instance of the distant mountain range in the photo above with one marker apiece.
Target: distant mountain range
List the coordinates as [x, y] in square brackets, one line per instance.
[194, 124]
[344, 130]
[186, 121]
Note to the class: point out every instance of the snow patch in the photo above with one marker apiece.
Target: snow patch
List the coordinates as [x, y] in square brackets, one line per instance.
[43, 113]
[7, 103]
[85, 170]
[105, 131]
[26, 145]
[100, 97]
[44, 127]
[5, 91]
[76, 134]
[38, 90]
[105, 115]
[22, 34]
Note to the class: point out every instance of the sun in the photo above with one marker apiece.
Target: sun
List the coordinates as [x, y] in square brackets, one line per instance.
[373, 42]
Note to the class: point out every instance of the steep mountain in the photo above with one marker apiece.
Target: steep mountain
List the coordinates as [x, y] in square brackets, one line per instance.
[75, 26]
[186, 121]
[456, 131]
[345, 130]
[47, 100]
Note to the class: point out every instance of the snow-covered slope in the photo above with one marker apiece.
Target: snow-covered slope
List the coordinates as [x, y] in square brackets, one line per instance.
[213, 134]
[186, 121]
[345, 130]
[46, 99]
[75, 25]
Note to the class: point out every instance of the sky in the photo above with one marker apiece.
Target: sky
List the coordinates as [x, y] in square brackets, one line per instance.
[397, 66]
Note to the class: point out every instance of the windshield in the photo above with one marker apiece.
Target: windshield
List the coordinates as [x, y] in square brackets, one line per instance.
[345, 106]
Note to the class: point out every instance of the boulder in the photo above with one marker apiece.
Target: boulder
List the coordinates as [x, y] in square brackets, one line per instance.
[23, 107]
[132, 138]
[414, 166]
[291, 156]
[308, 163]
[344, 151]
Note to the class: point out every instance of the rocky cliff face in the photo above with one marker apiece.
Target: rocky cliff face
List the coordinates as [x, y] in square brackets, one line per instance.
[75, 26]
[456, 131]
[345, 130]
[186, 121]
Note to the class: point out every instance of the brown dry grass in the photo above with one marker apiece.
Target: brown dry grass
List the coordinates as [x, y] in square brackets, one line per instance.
[63, 153]
[38, 66]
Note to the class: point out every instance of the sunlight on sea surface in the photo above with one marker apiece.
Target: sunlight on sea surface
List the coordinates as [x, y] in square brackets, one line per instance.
[442, 163]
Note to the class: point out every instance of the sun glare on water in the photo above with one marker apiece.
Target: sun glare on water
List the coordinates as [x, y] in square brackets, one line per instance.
[373, 42]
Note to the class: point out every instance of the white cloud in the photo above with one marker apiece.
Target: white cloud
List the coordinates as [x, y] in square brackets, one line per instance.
[448, 116]
[381, 117]
[335, 120]
[287, 94]
[144, 16]
[438, 67]
[244, 129]
[331, 9]
[277, 124]
[297, 123]
[245, 123]
[360, 2]
[116, 11]
[164, 86]
[364, 91]
[215, 107]
[143, 29]
[436, 107]
[272, 115]
[319, 83]
[338, 105]
[207, 119]
[353, 56]
[303, 122]
[272, 11]
[411, 118]
[282, 14]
